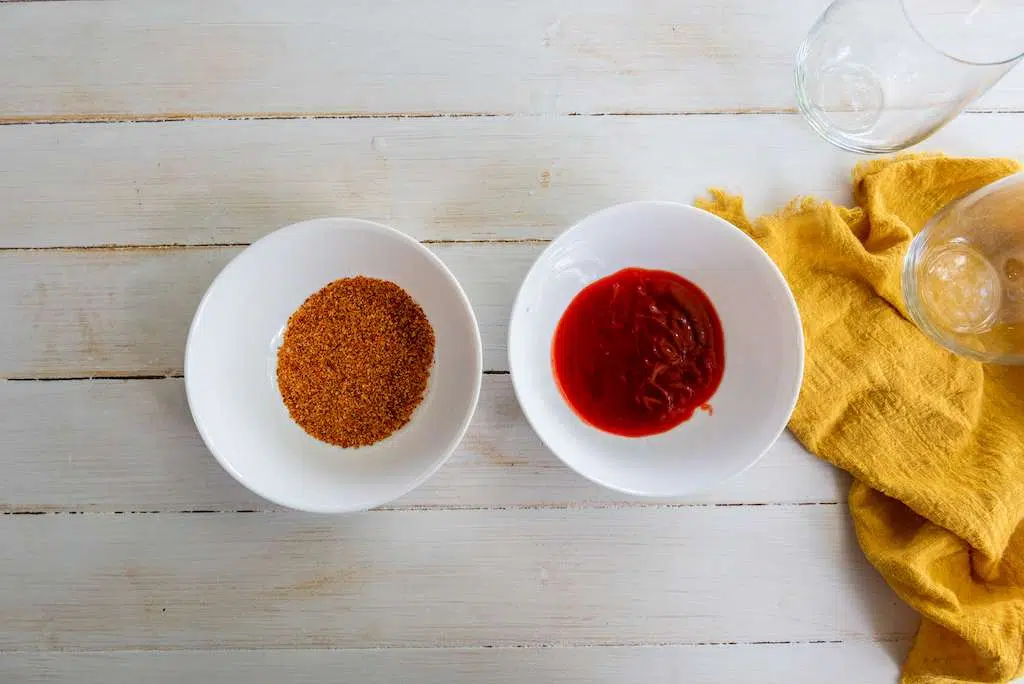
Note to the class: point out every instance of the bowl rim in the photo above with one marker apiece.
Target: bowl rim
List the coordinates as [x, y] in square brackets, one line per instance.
[467, 307]
[776, 274]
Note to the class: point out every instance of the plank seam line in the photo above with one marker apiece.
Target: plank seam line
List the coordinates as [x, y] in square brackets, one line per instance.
[117, 247]
[604, 505]
[175, 117]
[441, 508]
[76, 378]
[883, 639]
[168, 246]
[165, 376]
[71, 119]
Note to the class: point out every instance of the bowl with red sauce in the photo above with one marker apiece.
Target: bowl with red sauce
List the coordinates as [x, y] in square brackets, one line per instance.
[656, 349]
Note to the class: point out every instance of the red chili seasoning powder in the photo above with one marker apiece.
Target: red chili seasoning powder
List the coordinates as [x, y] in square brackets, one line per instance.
[355, 361]
[637, 352]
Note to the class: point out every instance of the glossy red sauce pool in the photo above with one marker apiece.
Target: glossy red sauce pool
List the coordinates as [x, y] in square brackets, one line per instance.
[637, 352]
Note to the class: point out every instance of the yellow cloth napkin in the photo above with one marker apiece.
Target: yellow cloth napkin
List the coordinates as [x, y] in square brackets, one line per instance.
[935, 442]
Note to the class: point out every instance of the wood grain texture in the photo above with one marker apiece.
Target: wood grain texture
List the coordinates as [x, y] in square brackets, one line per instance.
[162, 59]
[179, 59]
[75, 313]
[125, 312]
[203, 182]
[438, 178]
[439, 579]
[116, 445]
[445, 120]
[843, 663]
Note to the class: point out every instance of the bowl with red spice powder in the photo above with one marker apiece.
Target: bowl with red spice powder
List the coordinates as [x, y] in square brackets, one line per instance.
[333, 365]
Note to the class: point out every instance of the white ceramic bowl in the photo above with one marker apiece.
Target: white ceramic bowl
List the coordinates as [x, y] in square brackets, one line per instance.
[230, 367]
[764, 348]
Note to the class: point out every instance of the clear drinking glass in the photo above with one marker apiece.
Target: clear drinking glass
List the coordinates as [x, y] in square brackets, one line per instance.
[963, 277]
[881, 75]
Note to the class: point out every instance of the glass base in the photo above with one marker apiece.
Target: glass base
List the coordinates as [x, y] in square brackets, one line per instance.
[954, 296]
[843, 103]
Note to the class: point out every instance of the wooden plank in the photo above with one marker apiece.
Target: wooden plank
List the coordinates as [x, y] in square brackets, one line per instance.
[74, 313]
[204, 182]
[163, 59]
[846, 663]
[439, 578]
[439, 178]
[116, 445]
[176, 59]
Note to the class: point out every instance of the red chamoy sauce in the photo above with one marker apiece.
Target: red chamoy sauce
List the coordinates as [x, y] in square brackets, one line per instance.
[637, 352]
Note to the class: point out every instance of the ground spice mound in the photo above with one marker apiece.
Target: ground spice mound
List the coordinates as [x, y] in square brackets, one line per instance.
[355, 361]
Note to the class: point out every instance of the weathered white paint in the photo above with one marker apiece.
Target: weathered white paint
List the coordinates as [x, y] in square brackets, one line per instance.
[203, 182]
[519, 56]
[117, 445]
[504, 547]
[73, 313]
[173, 59]
[628, 576]
[854, 662]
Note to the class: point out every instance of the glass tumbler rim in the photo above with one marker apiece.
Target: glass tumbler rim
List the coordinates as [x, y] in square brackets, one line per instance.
[960, 60]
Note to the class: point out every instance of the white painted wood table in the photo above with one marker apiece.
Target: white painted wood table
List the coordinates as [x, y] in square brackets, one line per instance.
[144, 143]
